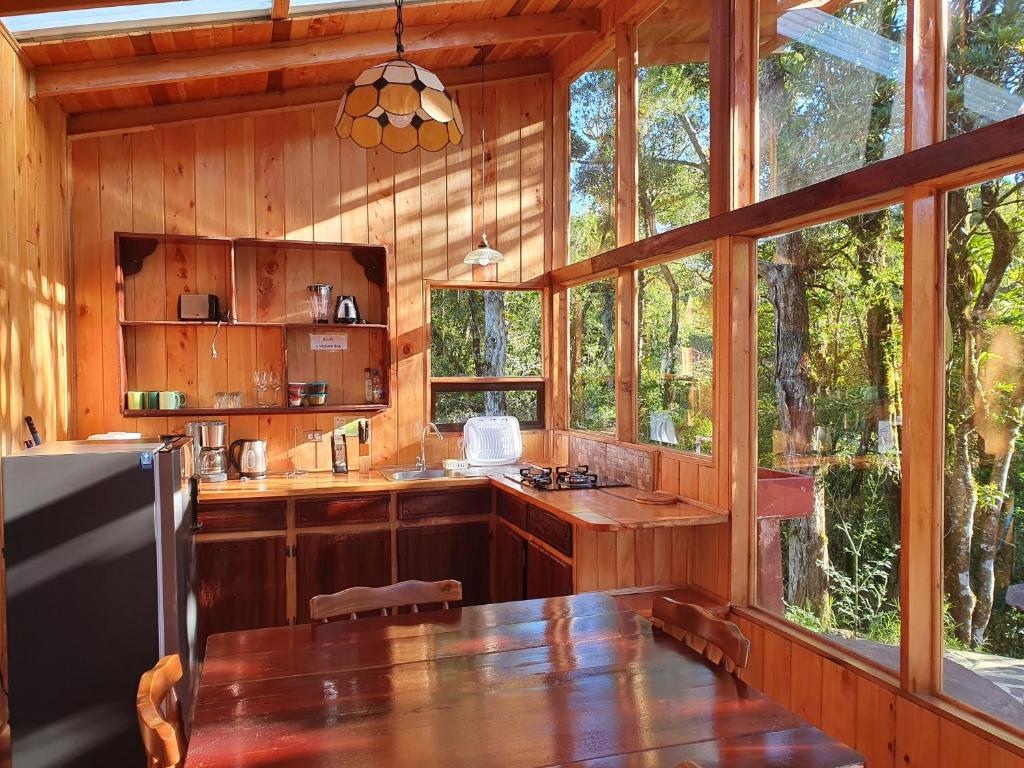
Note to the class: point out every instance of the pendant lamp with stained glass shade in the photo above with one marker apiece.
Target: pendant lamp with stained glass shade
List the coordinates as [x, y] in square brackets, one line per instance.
[483, 254]
[400, 105]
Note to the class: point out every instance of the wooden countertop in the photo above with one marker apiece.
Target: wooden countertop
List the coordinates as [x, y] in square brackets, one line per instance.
[607, 509]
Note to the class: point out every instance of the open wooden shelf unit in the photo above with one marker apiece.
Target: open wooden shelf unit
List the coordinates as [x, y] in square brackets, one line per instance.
[261, 286]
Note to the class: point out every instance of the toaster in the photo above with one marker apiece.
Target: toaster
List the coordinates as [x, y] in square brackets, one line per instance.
[198, 306]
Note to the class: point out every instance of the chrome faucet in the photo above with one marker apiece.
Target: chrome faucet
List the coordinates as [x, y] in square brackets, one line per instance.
[421, 460]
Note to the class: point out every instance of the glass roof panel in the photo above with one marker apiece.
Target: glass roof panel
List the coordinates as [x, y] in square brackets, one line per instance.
[127, 18]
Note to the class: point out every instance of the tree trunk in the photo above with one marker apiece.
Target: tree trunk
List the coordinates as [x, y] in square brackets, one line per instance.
[987, 535]
[495, 345]
[794, 396]
[575, 356]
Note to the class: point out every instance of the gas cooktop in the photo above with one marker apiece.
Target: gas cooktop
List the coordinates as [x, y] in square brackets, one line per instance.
[562, 478]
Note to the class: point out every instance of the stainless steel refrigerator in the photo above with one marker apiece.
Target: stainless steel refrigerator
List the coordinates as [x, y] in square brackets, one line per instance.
[98, 553]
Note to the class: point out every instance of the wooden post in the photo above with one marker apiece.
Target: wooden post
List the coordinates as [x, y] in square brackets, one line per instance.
[560, 174]
[734, 38]
[625, 354]
[627, 171]
[736, 283]
[923, 364]
[627, 163]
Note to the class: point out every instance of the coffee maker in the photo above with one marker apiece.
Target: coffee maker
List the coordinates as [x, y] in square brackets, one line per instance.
[213, 455]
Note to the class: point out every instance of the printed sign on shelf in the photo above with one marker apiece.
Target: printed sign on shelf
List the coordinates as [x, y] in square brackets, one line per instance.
[328, 342]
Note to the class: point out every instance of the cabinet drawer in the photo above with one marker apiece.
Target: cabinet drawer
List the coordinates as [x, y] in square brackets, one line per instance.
[336, 511]
[549, 529]
[422, 504]
[243, 516]
[512, 509]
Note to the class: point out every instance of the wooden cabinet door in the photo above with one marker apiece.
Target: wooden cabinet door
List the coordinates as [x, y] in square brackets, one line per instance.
[330, 562]
[240, 585]
[510, 565]
[460, 551]
[545, 575]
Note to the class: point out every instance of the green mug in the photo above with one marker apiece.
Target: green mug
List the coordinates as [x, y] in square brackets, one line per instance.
[136, 400]
[151, 400]
[172, 400]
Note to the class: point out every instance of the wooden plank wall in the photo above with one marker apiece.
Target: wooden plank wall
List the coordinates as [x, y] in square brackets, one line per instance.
[33, 243]
[286, 175]
[889, 728]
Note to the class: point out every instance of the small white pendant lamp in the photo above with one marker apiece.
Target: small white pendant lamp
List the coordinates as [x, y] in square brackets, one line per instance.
[483, 254]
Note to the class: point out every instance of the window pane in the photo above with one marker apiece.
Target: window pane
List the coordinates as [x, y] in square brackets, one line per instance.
[831, 93]
[592, 357]
[675, 310]
[485, 333]
[984, 472]
[456, 407]
[591, 164]
[829, 413]
[985, 63]
[674, 117]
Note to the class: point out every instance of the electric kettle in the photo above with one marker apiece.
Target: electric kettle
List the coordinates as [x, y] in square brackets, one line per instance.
[346, 310]
[249, 457]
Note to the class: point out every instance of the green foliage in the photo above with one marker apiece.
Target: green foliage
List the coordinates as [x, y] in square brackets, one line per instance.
[592, 356]
[675, 349]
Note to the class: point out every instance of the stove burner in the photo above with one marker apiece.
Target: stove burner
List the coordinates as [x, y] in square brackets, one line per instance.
[576, 477]
[561, 478]
[538, 477]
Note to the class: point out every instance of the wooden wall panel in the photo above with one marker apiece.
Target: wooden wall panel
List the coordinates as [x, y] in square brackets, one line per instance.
[889, 728]
[34, 373]
[286, 175]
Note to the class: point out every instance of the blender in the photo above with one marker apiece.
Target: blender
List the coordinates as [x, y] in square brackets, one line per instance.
[213, 457]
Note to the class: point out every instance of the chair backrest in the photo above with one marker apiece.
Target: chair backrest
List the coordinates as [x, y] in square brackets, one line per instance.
[159, 714]
[405, 594]
[717, 639]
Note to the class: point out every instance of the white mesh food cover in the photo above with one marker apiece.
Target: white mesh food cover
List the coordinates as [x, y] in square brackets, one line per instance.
[493, 440]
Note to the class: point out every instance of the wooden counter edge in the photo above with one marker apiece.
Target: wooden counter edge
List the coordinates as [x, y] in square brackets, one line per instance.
[278, 488]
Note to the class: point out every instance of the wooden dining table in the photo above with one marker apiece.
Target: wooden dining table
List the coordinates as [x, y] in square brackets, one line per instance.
[563, 681]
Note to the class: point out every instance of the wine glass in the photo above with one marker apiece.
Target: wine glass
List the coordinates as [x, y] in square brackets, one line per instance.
[275, 384]
[260, 380]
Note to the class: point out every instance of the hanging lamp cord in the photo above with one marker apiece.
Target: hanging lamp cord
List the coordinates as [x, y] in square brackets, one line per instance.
[483, 159]
[399, 28]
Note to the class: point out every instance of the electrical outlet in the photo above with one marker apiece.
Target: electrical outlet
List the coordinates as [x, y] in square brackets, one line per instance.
[314, 436]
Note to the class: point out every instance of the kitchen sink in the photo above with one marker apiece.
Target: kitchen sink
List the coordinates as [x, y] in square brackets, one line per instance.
[401, 475]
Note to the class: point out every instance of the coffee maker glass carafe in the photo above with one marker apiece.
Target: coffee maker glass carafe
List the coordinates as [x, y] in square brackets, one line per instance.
[213, 458]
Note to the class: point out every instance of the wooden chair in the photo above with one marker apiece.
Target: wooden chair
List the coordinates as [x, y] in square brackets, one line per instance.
[402, 595]
[720, 641]
[159, 714]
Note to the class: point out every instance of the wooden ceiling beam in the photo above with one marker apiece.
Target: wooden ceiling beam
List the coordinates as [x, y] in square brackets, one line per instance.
[138, 71]
[577, 54]
[140, 118]
[22, 7]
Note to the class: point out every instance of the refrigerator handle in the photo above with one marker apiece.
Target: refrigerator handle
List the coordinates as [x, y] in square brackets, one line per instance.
[193, 492]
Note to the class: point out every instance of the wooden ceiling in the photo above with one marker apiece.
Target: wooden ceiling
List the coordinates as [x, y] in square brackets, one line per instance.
[172, 66]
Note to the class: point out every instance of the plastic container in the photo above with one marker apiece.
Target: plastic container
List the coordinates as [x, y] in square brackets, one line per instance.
[493, 440]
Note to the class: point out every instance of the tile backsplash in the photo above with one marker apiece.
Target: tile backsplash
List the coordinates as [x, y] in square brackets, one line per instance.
[623, 464]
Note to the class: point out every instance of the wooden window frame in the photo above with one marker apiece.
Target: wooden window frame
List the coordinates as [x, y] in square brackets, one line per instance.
[535, 384]
[539, 384]
[919, 179]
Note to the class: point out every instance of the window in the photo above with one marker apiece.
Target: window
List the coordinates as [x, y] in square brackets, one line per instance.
[984, 469]
[94, 21]
[832, 94]
[591, 164]
[674, 397]
[592, 329]
[829, 414]
[674, 119]
[985, 64]
[485, 356]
